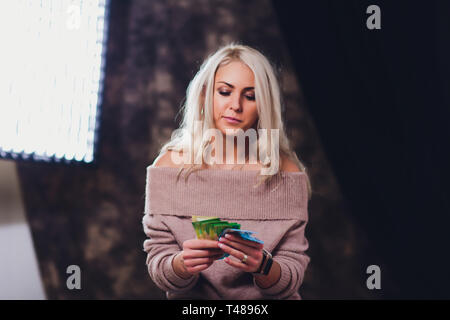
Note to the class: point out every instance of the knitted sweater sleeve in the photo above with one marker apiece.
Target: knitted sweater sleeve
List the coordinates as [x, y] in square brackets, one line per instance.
[161, 247]
[290, 255]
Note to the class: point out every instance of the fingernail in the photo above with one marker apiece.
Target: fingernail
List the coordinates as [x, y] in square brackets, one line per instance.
[227, 235]
[221, 239]
[220, 245]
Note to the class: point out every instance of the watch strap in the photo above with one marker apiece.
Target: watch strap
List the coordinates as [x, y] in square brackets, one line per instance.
[264, 263]
[268, 266]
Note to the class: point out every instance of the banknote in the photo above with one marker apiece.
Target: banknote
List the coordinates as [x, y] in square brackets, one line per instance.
[212, 228]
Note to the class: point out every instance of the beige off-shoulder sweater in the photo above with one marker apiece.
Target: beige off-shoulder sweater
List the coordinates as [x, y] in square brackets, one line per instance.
[277, 211]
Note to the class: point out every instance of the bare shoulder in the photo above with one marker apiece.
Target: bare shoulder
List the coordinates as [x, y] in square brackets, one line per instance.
[167, 159]
[288, 165]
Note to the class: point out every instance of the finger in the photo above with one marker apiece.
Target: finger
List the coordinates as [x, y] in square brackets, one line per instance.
[249, 243]
[237, 264]
[189, 254]
[251, 251]
[200, 244]
[198, 268]
[238, 254]
[197, 261]
[211, 252]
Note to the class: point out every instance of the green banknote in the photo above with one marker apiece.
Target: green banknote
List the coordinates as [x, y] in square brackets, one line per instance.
[211, 227]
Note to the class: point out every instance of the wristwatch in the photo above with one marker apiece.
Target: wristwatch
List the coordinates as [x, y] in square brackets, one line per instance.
[266, 264]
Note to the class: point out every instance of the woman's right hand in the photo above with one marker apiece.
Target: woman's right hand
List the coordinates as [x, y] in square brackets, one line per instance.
[197, 255]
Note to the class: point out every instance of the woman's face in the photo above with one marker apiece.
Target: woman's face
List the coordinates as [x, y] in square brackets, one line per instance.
[234, 97]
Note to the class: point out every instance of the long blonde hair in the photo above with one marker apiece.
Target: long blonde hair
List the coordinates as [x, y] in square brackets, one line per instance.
[198, 106]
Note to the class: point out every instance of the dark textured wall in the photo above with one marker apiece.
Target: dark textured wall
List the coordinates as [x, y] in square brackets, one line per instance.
[92, 216]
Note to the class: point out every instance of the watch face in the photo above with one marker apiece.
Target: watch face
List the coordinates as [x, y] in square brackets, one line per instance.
[267, 253]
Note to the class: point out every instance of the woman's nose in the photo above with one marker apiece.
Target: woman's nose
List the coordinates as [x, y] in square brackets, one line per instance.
[236, 103]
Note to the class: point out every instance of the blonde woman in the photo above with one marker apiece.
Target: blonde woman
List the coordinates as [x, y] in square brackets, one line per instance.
[234, 92]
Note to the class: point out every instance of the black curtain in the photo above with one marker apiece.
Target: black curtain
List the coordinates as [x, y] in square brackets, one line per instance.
[380, 100]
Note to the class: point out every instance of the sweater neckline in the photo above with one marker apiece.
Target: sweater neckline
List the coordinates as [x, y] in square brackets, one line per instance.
[226, 193]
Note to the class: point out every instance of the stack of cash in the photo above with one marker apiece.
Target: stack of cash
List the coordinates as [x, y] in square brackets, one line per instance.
[211, 228]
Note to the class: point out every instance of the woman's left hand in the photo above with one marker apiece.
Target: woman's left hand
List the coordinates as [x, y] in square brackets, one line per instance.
[248, 253]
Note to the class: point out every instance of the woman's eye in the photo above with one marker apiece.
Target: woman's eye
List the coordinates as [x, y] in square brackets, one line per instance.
[227, 93]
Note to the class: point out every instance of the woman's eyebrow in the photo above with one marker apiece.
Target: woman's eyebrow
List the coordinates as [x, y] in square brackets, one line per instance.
[231, 86]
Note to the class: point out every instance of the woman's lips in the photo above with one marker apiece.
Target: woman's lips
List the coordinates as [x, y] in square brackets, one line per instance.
[231, 120]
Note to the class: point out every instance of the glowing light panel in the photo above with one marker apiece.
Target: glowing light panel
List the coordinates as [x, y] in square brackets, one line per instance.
[51, 74]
